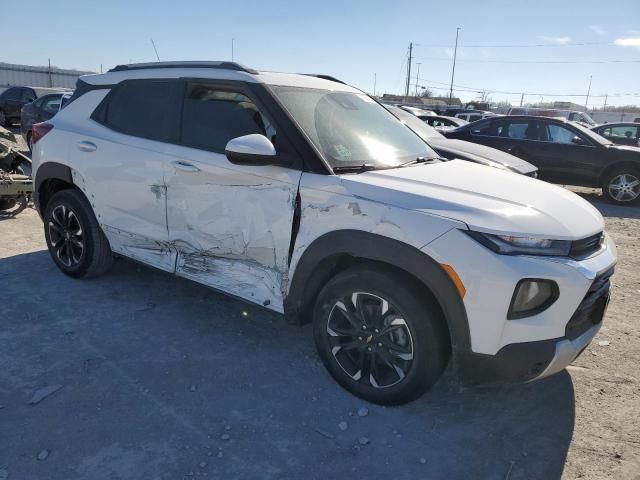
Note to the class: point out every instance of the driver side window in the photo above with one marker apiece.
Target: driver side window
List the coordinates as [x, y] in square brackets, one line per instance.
[559, 134]
[213, 116]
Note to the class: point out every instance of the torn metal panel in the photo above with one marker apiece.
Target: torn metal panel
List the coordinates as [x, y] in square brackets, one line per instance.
[160, 254]
[329, 203]
[231, 225]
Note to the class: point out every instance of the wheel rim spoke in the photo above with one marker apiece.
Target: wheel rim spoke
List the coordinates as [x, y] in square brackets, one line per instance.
[370, 341]
[66, 236]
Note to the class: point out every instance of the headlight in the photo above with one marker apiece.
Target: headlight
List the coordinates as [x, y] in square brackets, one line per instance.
[509, 245]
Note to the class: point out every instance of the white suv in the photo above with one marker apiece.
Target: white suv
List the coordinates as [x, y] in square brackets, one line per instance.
[304, 195]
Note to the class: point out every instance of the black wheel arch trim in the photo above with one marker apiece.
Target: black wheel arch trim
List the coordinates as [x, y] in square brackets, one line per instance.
[48, 171]
[361, 245]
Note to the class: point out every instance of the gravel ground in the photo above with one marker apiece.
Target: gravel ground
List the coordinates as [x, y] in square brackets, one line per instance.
[138, 374]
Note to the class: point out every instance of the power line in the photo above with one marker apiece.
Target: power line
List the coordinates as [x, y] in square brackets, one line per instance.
[554, 62]
[463, 88]
[534, 45]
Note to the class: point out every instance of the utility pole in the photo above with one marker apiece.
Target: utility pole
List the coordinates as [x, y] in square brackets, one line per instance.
[406, 90]
[453, 70]
[232, 53]
[155, 49]
[50, 80]
[588, 92]
[606, 96]
[522, 99]
[375, 80]
[417, 76]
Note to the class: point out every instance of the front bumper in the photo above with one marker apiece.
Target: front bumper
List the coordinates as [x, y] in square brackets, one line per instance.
[536, 346]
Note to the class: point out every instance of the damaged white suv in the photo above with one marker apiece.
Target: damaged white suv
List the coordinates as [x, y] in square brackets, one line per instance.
[304, 195]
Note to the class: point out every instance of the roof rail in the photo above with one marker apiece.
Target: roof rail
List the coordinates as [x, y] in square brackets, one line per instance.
[186, 64]
[325, 77]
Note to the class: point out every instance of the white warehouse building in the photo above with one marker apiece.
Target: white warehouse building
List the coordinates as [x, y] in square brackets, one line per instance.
[26, 75]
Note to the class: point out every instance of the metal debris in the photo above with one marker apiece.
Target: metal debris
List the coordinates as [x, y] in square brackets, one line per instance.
[43, 393]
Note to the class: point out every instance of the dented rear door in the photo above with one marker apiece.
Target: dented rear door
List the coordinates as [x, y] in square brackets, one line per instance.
[230, 224]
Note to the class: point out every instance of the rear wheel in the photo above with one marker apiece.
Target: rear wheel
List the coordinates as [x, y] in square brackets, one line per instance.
[378, 336]
[622, 187]
[74, 238]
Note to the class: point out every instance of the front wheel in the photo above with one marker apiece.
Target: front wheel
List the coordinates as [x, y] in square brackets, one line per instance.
[379, 336]
[622, 187]
[74, 238]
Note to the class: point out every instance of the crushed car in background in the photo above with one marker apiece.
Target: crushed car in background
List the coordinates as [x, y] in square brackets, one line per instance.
[15, 176]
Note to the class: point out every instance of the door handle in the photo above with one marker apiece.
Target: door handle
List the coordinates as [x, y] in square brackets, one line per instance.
[87, 146]
[184, 166]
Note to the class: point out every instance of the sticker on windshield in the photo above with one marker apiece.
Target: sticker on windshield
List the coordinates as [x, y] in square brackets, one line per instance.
[342, 151]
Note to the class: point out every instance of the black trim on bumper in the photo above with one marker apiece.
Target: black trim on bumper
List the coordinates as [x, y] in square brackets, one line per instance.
[514, 363]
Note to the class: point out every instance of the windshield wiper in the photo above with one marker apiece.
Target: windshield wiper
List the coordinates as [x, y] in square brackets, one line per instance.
[421, 160]
[363, 167]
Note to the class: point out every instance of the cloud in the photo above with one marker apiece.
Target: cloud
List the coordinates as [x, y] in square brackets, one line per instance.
[555, 40]
[628, 42]
[633, 32]
[598, 30]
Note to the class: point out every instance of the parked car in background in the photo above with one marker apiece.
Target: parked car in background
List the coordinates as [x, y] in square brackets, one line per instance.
[40, 110]
[442, 123]
[417, 111]
[475, 116]
[564, 152]
[305, 196]
[620, 133]
[472, 152]
[13, 98]
[582, 118]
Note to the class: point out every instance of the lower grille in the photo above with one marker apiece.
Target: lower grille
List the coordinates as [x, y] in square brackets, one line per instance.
[592, 308]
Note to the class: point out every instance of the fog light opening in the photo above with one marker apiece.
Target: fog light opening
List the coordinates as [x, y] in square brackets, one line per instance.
[532, 296]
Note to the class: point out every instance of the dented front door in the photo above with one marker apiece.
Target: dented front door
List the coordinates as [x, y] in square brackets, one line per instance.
[231, 224]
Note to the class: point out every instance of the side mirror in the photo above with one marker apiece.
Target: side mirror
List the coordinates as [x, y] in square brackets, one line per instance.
[578, 141]
[254, 149]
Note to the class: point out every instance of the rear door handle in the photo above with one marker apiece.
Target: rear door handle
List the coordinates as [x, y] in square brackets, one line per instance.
[87, 146]
[184, 166]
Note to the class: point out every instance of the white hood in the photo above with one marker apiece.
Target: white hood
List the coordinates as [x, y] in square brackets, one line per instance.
[486, 199]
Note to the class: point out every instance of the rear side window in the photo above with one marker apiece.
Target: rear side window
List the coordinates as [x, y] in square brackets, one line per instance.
[143, 108]
[212, 116]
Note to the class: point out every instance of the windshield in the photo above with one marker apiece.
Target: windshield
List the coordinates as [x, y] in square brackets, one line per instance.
[420, 127]
[351, 129]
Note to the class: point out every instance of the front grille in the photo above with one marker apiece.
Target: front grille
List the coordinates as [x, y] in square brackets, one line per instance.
[592, 308]
[586, 246]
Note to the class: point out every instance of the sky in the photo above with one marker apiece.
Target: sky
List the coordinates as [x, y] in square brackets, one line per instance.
[364, 43]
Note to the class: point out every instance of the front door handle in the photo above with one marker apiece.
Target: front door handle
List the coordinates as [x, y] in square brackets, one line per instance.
[184, 166]
[87, 146]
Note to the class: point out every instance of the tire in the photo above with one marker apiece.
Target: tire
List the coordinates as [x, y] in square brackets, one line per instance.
[403, 362]
[80, 255]
[3, 119]
[622, 187]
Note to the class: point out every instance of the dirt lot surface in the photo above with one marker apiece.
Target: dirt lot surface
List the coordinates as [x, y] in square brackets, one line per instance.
[154, 377]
